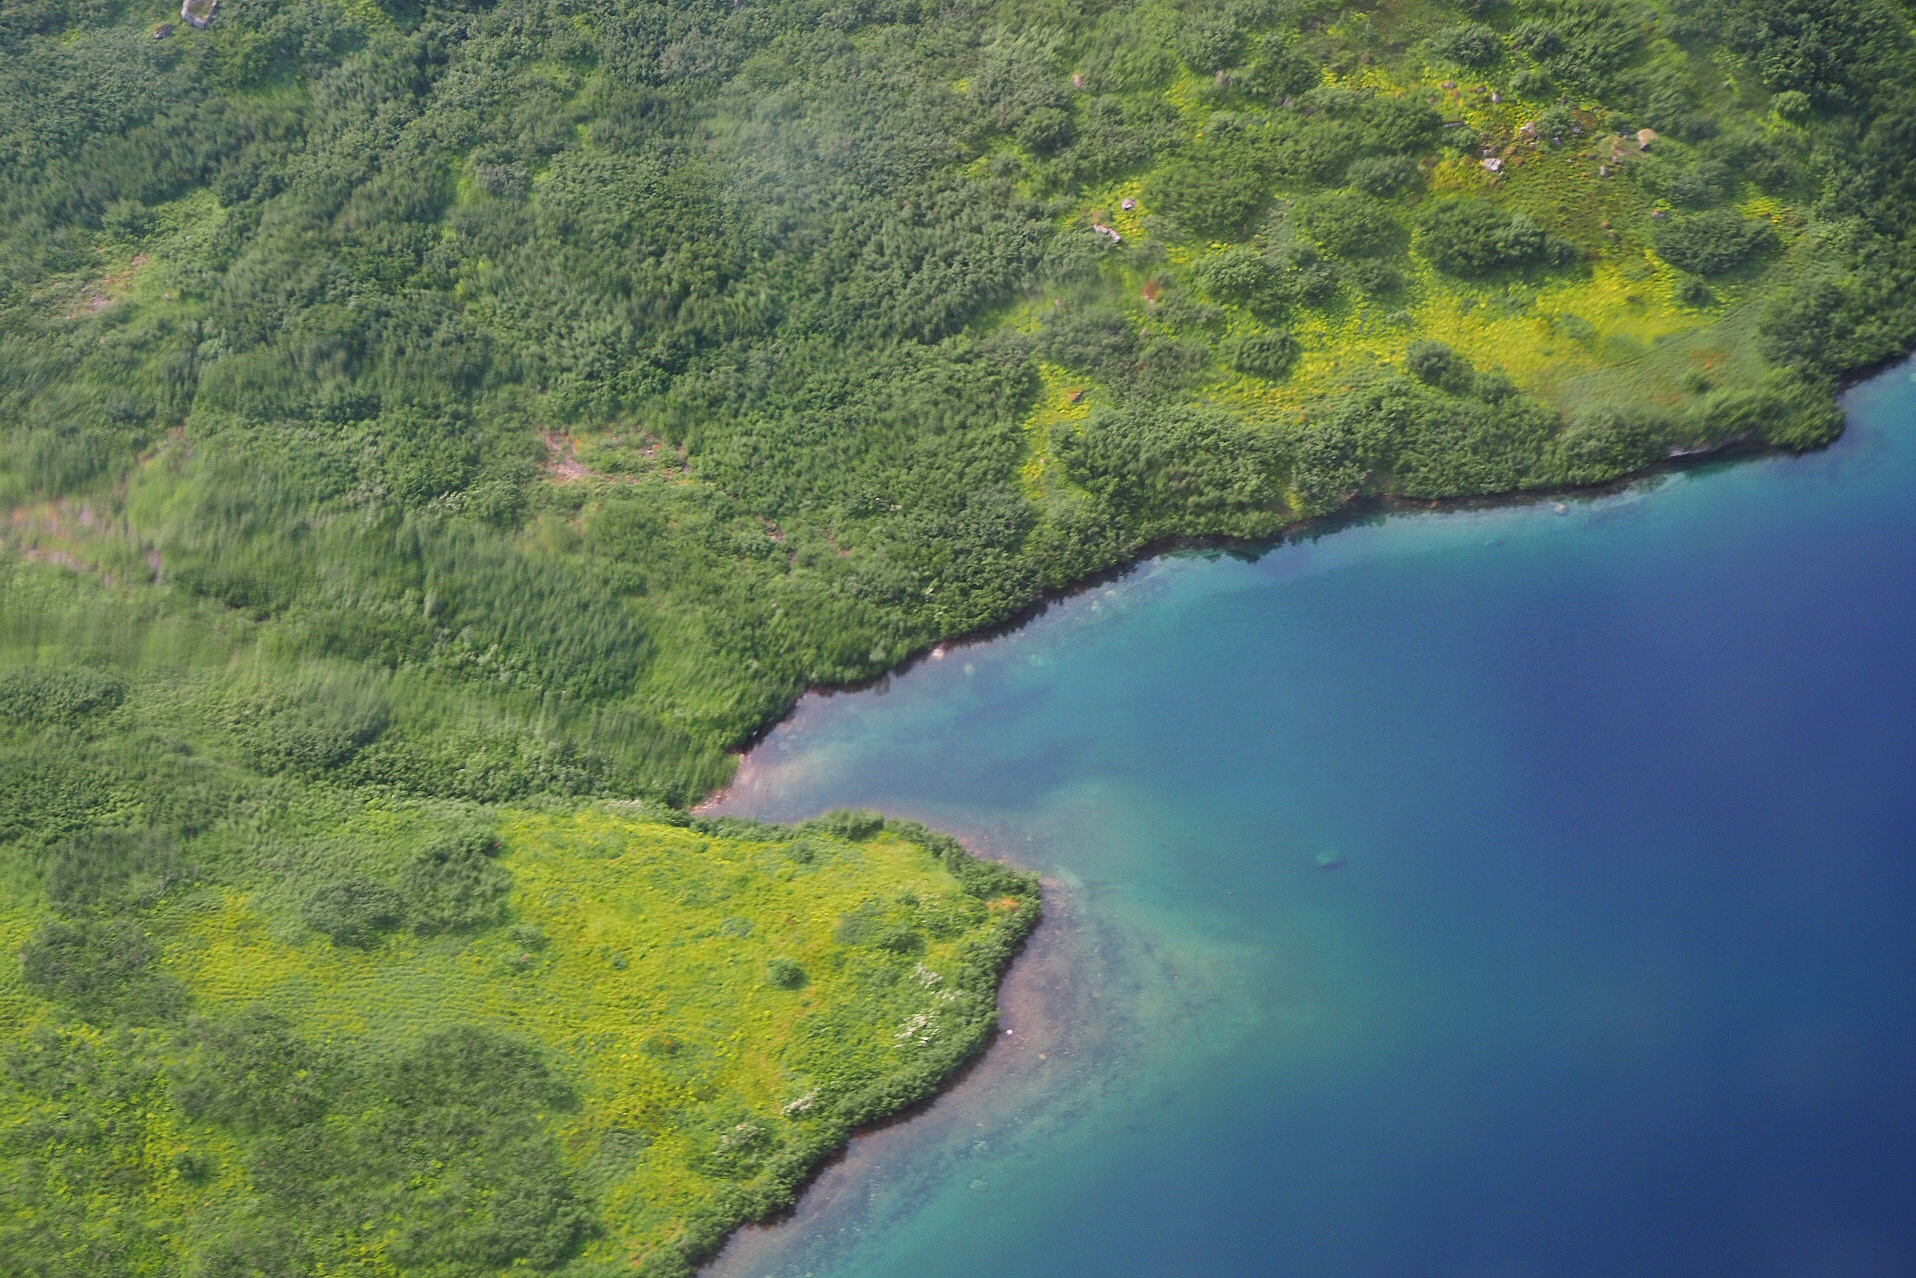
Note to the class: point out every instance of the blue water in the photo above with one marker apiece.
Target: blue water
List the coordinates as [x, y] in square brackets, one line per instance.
[1616, 975]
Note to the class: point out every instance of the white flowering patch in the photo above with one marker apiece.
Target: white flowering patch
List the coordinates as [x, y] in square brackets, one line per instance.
[744, 1136]
[921, 1028]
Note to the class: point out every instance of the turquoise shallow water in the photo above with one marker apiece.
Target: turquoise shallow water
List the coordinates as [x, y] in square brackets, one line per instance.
[1614, 970]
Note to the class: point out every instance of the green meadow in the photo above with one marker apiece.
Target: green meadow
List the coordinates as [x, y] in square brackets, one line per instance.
[336, 1032]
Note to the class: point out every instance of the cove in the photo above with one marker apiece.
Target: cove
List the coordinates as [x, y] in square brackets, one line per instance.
[1526, 891]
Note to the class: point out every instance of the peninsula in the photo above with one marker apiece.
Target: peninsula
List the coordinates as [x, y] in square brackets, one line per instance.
[437, 436]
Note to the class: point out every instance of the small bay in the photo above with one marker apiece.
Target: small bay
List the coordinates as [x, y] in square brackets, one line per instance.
[1519, 891]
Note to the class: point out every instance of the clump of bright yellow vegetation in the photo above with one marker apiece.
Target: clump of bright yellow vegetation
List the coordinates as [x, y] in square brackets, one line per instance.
[598, 1035]
[1415, 250]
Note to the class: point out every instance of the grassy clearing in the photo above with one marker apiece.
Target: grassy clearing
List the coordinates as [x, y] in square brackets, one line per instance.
[716, 1008]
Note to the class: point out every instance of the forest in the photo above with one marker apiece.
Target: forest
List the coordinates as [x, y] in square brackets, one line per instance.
[437, 435]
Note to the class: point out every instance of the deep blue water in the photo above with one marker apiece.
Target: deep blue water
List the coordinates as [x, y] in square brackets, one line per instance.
[1617, 976]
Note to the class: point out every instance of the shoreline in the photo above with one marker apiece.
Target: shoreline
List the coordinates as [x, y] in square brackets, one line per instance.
[1040, 1026]
[1353, 514]
[1041, 1003]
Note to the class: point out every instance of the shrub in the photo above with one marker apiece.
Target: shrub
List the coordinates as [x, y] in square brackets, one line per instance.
[113, 870]
[784, 974]
[1793, 105]
[37, 696]
[1394, 126]
[1382, 175]
[1245, 277]
[1091, 339]
[1435, 364]
[1786, 412]
[1699, 186]
[1212, 191]
[1556, 125]
[1347, 223]
[854, 825]
[901, 940]
[102, 970]
[1373, 276]
[1266, 284]
[251, 1071]
[1210, 43]
[1713, 242]
[1196, 464]
[1267, 353]
[315, 734]
[1471, 236]
[1473, 44]
[456, 886]
[862, 926]
[1279, 72]
[1537, 39]
[1604, 442]
[1692, 291]
[1045, 131]
[353, 909]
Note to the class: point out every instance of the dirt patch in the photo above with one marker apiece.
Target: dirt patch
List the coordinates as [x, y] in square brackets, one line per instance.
[562, 460]
[105, 291]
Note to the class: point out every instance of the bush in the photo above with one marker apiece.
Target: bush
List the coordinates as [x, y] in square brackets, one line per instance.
[1373, 276]
[1393, 126]
[113, 870]
[1786, 412]
[854, 825]
[1692, 291]
[862, 926]
[1793, 105]
[1697, 185]
[456, 886]
[1604, 442]
[1470, 236]
[315, 734]
[1382, 175]
[1556, 125]
[38, 696]
[1435, 364]
[1213, 191]
[1045, 131]
[102, 970]
[1279, 72]
[1267, 353]
[1347, 223]
[901, 941]
[251, 1071]
[1266, 284]
[1537, 40]
[1473, 44]
[1713, 242]
[353, 909]
[1096, 340]
[784, 974]
[1200, 466]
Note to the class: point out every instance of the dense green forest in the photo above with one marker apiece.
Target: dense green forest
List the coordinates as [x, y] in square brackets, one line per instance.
[435, 433]
[625, 369]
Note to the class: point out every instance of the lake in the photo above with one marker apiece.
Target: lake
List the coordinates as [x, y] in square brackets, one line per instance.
[1526, 891]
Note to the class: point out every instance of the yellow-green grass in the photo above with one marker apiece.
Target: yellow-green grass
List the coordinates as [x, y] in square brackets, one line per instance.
[638, 957]
[1611, 329]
